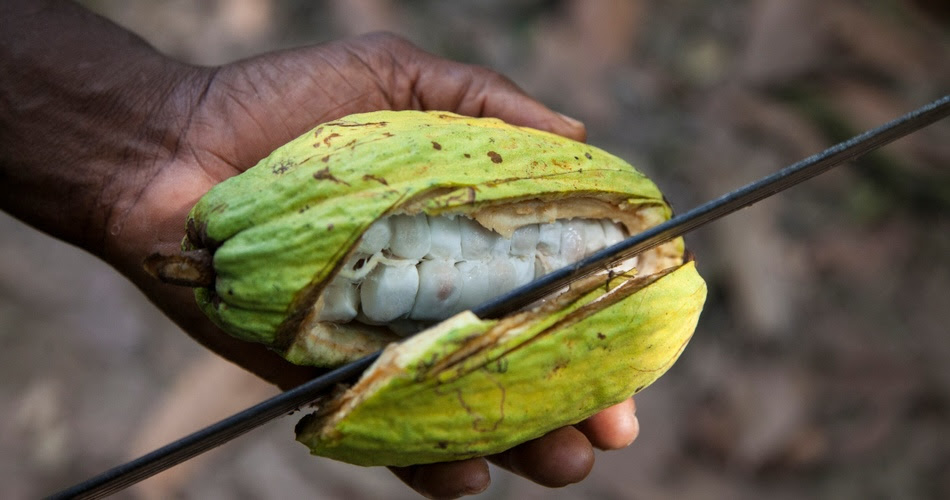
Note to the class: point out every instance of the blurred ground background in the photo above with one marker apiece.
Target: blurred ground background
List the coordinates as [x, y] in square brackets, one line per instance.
[819, 369]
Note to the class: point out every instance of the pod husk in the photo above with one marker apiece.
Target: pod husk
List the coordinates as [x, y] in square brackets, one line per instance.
[471, 387]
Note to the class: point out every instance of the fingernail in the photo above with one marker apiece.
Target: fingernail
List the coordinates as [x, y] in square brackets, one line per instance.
[628, 426]
[571, 121]
[635, 425]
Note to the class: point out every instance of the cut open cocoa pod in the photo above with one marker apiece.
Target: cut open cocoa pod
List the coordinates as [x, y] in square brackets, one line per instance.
[374, 225]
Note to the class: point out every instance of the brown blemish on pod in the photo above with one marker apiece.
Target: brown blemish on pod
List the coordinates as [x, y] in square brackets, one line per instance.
[194, 234]
[370, 177]
[316, 135]
[495, 157]
[325, 174]
[197, 236]
[281, 167]
[328, 138]
[357, 124]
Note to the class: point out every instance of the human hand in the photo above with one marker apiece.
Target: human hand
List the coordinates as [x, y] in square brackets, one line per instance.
[242, 112]
[138, 138]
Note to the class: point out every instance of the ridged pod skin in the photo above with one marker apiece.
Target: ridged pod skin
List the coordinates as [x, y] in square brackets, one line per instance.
[281, 231]
[469, 387]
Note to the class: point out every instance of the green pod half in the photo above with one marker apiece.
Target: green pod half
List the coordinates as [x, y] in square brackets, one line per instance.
[470, 387]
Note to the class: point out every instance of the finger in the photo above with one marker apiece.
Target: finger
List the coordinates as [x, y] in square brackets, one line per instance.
[441, 84]
[561, 457]
[475, 91]
[613, 428]
[448, 479]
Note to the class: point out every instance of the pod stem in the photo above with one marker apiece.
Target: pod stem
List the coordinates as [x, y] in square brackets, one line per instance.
[192, 268]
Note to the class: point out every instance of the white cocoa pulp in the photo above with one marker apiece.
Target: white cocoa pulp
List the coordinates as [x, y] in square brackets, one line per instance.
[427, 268]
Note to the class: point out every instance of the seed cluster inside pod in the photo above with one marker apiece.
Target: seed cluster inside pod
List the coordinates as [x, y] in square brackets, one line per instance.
[427, 268]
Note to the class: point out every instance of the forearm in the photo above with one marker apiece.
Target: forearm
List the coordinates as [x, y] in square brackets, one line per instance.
[85, 108]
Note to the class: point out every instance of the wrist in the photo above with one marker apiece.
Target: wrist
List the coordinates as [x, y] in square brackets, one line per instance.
[87, 112]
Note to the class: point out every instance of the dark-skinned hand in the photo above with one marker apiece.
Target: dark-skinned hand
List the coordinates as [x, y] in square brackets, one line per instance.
[140, 137]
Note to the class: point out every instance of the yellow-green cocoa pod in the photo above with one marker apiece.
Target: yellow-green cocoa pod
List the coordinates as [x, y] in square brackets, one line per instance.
[374, 224]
